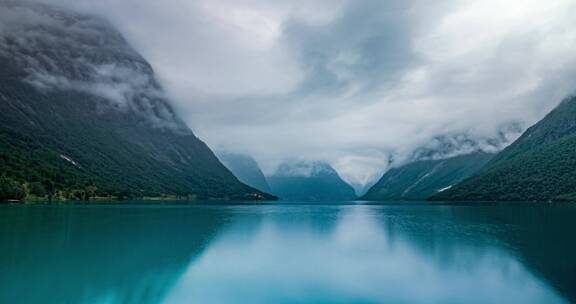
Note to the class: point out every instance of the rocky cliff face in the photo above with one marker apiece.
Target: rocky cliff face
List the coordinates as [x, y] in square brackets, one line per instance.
[80, 109]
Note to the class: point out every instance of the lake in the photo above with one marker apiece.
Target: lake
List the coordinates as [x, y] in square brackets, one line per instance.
[287, 253]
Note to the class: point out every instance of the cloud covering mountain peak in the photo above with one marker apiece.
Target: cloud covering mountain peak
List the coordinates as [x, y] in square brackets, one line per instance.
[359, 84]
[59, 49]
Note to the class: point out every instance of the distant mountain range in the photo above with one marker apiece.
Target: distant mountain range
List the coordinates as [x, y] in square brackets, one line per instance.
[309, 181]
[246, 169]
[421, 179]
[82, 114]
[440, 164]
[539, 166]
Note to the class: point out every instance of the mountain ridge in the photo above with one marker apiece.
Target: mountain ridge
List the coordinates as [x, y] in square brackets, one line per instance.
[82, 115]
[421, 179]
[309, 181]
[246, 169]
[538, 166]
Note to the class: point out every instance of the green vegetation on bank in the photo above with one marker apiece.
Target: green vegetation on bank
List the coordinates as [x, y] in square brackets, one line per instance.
[30, 171]
[13, 190]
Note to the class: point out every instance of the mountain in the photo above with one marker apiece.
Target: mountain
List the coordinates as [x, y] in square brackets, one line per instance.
[309, 181]
[82, 114]
[361, 189]
[422, 179]
[246, 169]
[538, 166]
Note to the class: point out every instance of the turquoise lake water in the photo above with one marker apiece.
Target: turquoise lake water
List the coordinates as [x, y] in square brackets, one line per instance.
[341, 253]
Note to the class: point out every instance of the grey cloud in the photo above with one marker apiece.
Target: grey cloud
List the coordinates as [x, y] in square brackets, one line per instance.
[116, 75]
[361, 84]
[367, 44]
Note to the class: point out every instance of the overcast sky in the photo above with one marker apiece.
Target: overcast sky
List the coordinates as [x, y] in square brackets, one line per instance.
[351, 82]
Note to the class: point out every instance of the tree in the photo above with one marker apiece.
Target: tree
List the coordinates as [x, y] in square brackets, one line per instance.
[37, 189]
[11, 189]
[49, 187]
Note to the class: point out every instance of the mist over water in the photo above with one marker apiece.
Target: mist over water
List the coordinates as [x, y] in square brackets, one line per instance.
[286, 254]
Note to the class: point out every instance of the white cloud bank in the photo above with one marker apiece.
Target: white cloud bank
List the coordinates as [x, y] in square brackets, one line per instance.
[356, 83]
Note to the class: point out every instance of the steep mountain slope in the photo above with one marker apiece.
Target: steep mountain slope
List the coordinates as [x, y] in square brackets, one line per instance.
[422, 179]
[245, 168]
[82, 114]
[539, 166]
[309, 181]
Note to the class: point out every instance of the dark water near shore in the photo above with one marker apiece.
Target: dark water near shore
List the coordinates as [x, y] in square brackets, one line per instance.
[287, 254]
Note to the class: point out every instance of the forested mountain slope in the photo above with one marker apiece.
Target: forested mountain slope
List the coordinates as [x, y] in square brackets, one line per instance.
[422, 179]
[539, 166]
[82, 114]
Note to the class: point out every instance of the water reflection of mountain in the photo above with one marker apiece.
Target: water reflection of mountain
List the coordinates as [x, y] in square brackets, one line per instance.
[541, 236]
[287, 253]
[537, 236]
[340, 254]
[97, 254]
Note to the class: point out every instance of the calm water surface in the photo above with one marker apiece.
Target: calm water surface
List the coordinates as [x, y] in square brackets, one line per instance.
[287, 254]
